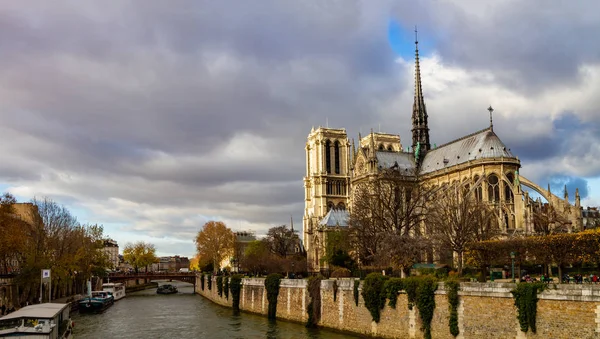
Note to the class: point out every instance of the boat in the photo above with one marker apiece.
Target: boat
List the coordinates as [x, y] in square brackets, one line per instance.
[166, 289]
[116, 289]
[49, 320]
[97, 302]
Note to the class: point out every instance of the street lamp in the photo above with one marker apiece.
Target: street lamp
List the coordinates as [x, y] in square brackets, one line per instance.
[512, 257]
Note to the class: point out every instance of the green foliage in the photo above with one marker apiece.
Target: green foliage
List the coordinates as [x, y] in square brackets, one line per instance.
[272, 286]
[314, 306]
[356, 286]
[226, 287]
[452, 294]
[391, 288]
[526, 302]
[202, 281]
[209, 282]
[335, 290]
[220, 285]
[236, 287]
[426, 303]
[410, 286]
[373, 295]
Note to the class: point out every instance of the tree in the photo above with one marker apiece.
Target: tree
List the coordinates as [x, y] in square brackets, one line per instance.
[13, 241]
[389, 209]
[455, 218]
[282, 240]
[215, 242]
[140, 254]
[546, 220]
[258, 257]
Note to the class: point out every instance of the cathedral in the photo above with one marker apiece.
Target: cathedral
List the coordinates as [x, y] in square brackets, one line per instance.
[334, 165]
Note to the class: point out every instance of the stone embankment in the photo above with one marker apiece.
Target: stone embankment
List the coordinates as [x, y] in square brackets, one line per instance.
[486, 310]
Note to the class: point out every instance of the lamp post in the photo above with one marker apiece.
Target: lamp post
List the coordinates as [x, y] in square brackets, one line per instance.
[512, 257]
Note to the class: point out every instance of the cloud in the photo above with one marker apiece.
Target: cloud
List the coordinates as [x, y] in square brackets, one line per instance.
[154, 118]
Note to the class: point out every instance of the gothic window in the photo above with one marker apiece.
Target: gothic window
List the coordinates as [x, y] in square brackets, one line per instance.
[508, 194]
[478, 189]
[337, 157]
[328, 156]
[381, 147]
[493, 188]
[330, 205]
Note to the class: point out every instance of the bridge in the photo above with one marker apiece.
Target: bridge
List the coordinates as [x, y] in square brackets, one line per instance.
[123, 277]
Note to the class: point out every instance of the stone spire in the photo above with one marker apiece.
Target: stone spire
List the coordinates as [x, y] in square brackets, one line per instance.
[420, 129]
[372, 146]
[566, 194]
[577, 198]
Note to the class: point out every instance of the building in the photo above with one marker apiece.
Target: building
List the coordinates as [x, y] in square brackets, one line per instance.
[590, 217]
[111, 249]
[480, 160]
[242, 239]
[170, 264]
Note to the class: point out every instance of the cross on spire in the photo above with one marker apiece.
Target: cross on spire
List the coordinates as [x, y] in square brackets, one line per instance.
[491, 110]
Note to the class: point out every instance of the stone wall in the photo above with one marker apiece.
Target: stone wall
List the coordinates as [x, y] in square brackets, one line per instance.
[485, 310]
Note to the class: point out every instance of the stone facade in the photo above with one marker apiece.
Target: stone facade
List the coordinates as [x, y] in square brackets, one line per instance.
[485, 310]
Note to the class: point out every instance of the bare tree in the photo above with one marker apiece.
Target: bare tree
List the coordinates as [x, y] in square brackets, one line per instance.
[546, 220]
[282, 240]
[386, 219]
[455, 218]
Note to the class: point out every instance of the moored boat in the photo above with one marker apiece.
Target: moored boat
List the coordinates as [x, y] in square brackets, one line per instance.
[166, 289]
[49, 320]
[116, 289]
[98, 302]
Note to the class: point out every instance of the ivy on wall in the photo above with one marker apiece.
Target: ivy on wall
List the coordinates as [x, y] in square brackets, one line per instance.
[372, 293]
[356, 286]
[202, 281]
[314, 305]
[410, 286]
[526, 302]
[209, 282]
[236, 287]
[272, 286]
[220, 285]
[226, 287]
[392, 288]
[452, 294]
[426, 303]
[335, 290]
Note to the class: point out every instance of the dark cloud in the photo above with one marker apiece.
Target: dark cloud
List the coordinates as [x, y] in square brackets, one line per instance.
[154, 117]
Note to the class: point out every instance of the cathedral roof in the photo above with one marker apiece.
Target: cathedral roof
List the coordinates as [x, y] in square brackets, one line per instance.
[479, 145]
[335, 217]
[387, 159]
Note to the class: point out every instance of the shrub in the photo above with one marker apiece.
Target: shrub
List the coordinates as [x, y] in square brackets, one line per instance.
[272, 286]
[314, 305]
[220, 285]
[356, 286]
[410, 286]
[209, 282]
[392, 287]
[452, 294]
[202, 281]
[373, 295]
[526, 302]
[226, 287]
[341, 272]
[236, 286]
[426, 303]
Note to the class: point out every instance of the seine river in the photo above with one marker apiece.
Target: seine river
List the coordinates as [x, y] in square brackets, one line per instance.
[145, 314]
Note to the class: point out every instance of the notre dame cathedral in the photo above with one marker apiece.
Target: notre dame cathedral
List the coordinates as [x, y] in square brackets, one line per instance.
[334, 165]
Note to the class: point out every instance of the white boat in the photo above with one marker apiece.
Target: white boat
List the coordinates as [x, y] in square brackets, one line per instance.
[50, 320]
[116, 289]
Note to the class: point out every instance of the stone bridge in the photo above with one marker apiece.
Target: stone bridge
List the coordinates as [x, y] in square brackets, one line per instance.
[124, 278]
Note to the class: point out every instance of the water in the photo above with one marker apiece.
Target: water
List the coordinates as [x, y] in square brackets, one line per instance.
[145, 314]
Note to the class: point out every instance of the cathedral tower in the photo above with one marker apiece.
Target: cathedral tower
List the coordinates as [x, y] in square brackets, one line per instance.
[420, 129]
[326, 184]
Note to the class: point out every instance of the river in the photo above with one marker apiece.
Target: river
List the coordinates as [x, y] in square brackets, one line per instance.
[145, 314]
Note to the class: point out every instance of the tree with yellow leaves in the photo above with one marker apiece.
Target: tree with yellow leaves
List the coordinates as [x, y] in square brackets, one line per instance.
[215, 242]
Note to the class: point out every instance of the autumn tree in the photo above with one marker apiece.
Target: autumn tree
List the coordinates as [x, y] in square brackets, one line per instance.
[215, 242]
[140, 254]
[14, 237]
[258, 258]
[386, 218]
[455, 218]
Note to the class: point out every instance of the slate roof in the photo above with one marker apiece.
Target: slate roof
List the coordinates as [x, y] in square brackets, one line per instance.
[387, 159]
[335, 217]
[479, 145]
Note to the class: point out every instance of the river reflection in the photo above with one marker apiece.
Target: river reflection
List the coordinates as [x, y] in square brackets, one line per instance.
[146, 314]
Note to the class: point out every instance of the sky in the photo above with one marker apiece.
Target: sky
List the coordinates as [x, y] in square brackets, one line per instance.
[153, 117]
